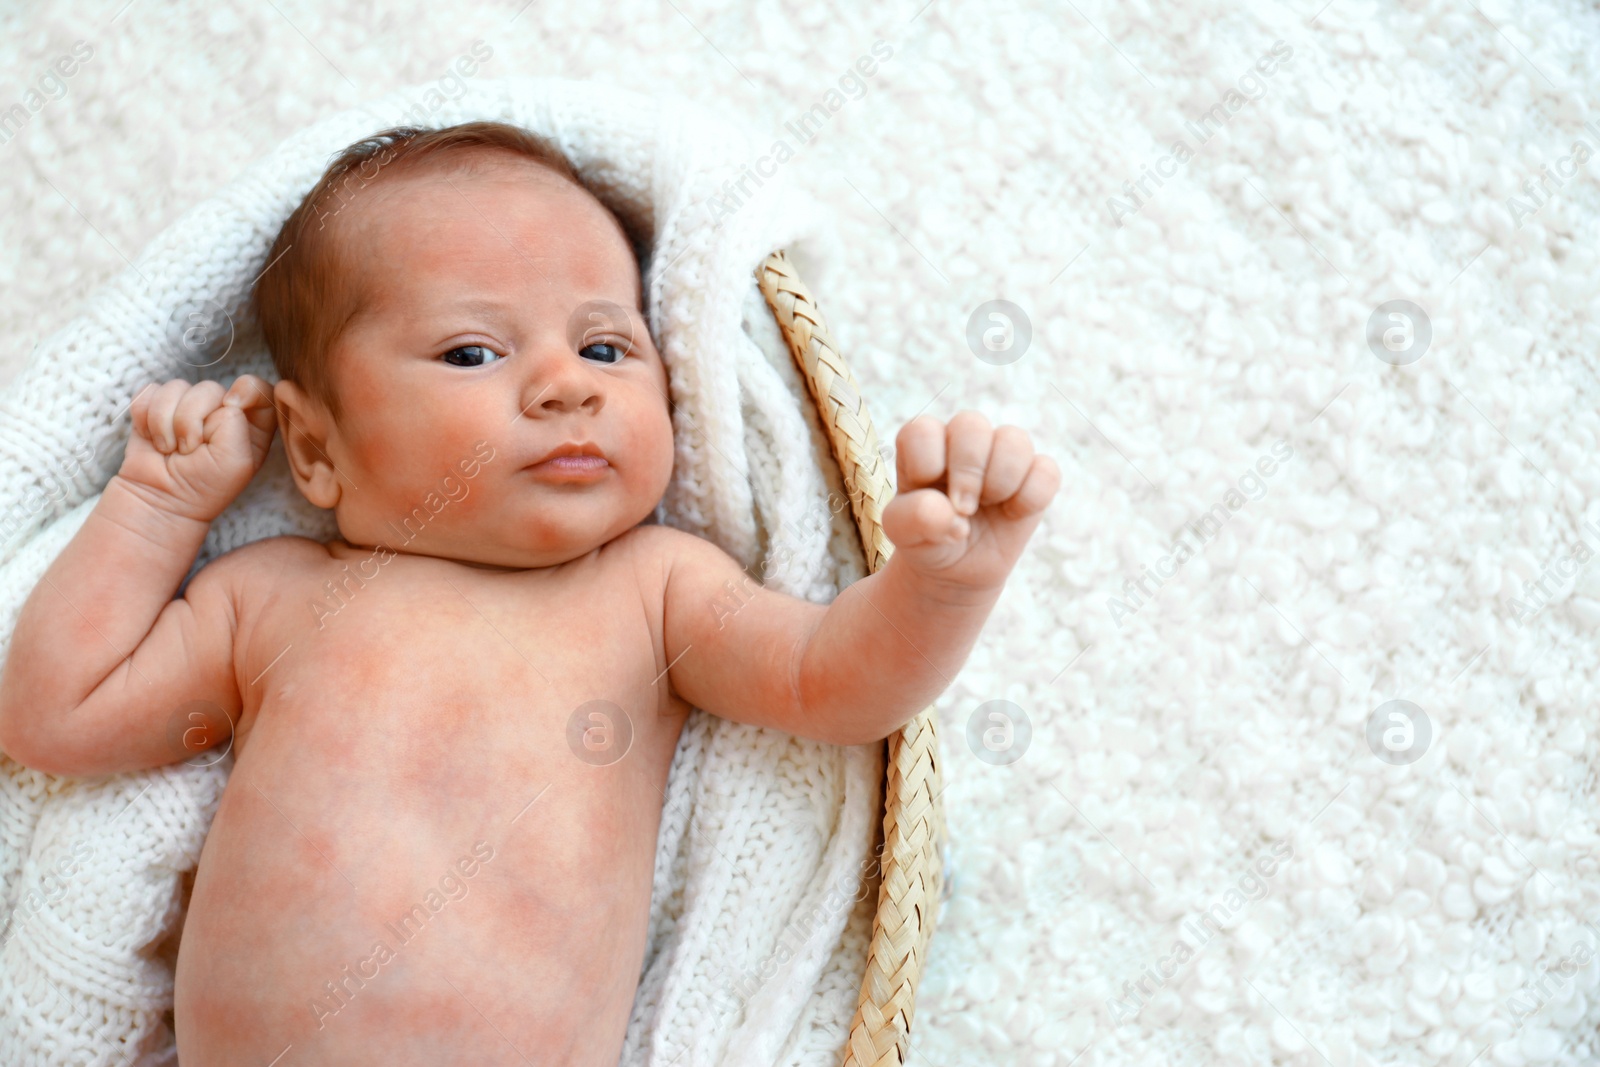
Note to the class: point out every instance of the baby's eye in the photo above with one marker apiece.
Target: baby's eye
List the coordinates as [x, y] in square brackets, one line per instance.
[604, 352]
[470, 356]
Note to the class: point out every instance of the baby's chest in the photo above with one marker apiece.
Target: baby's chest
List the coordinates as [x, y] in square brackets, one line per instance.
[424, 716]
[465, 662]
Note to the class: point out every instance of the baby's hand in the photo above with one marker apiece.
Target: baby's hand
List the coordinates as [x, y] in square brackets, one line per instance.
[197, 446]
[969, 498]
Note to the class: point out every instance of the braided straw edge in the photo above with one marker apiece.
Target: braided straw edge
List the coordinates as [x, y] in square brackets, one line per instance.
[913, 819]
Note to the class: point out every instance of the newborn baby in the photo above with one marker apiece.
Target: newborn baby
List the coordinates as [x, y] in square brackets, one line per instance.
[452, 724]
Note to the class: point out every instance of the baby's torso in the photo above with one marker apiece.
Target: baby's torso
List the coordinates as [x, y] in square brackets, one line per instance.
[437, 840]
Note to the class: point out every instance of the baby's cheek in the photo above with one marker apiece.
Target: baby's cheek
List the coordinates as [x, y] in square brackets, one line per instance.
[655, 431]
[389, 481]
[468, 479]
[390, 445]
[418, 469]
[666, 451]
[463, 452]
[381, 453]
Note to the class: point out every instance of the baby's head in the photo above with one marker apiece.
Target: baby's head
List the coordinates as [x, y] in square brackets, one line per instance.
[445, 295]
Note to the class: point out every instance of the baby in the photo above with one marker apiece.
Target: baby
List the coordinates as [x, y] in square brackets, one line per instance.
[470, 726]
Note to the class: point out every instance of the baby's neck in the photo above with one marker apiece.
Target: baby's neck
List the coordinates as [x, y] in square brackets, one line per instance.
[340, 546]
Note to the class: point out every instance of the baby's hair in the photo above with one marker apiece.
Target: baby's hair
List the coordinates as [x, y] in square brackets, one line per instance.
[305, 297]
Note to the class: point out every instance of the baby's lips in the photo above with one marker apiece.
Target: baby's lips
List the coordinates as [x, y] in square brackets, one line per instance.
[570, 448]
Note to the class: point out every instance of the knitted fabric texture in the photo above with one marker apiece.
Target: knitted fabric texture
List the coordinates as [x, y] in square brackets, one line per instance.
[756, 937]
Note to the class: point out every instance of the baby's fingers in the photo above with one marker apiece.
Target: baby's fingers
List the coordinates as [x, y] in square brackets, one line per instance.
[139, 408]
[1038, 489]
[154, 409]
[253, 396]
[248, 392]
[188, 419]
[923, 517]
[249, 430]
[968, 440]
[919, 453]
[1010, 459]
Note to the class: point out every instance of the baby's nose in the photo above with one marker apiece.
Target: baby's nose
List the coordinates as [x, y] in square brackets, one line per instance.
[563, 385]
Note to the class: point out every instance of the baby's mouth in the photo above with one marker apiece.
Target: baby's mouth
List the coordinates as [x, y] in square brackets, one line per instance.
[571, 464]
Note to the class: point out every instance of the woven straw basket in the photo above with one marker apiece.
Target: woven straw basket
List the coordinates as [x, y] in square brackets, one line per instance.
[913, 821]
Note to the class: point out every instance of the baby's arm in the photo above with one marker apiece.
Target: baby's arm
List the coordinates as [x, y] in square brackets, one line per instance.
[105, 665]
[854, 671]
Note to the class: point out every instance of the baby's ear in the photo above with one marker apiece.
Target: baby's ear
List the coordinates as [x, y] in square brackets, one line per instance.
[305, 425]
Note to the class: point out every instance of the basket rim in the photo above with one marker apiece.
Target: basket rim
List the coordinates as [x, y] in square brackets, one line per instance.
[913, 825]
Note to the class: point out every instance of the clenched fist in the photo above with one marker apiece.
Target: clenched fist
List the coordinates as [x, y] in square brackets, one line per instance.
[969, 498]
[196, 446]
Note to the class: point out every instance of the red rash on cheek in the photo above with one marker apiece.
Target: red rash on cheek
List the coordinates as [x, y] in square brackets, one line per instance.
[458, 454]
[380, 455]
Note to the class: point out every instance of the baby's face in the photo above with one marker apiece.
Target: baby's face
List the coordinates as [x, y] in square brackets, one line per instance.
[475, 325]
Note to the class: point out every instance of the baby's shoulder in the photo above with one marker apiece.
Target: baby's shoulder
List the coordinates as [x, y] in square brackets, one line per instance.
[656, 543]
[663, 555]
[266, 561]
[655, 552]
[276, 551]
[648, 548]
[647, 537]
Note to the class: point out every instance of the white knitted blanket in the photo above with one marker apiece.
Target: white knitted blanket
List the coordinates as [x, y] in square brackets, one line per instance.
[756, 943]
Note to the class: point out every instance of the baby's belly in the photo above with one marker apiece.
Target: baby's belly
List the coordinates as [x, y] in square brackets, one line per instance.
[420, 881]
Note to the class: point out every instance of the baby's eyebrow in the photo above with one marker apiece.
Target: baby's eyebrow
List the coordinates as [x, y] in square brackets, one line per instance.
[489, 309]
[500, 313]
